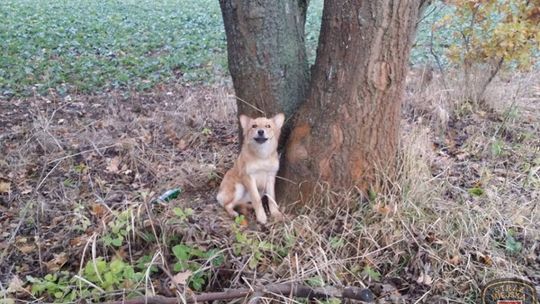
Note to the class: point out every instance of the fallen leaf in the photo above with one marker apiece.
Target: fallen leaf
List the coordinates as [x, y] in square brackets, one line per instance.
[181, 277]
[181, 145]
[112, 167]
[146, 137]
[5, 187]
[15, 285]
[425, 279]
[98, 210]
[27, 248]
[383, 209]
[26, 189]
[431, 238]
[244, 222]
[57, 262]
[485, 259]
[58, 219]
[462, 155]
[78, 241]
[454, 260]
[21, 239]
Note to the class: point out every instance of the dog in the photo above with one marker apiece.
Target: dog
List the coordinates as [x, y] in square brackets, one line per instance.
[254, 172]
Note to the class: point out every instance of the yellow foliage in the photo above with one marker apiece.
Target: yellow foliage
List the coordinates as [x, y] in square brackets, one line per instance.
[502, 30]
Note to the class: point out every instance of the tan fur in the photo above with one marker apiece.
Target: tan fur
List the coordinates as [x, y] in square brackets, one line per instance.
[254, 173]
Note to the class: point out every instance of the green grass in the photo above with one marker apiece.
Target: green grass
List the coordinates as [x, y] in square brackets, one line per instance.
[72, 45]
[90, 46]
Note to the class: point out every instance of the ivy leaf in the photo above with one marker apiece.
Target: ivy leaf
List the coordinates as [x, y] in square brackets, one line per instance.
[182, 252]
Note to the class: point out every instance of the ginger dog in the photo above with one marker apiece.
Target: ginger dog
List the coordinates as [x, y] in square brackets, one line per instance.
[254, 173]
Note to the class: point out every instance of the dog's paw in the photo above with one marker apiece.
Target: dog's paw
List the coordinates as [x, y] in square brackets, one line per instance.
[261, 218]
[232, 213]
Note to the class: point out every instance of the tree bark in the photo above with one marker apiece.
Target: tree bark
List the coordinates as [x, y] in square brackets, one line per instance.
[266, 54]
[347, 130]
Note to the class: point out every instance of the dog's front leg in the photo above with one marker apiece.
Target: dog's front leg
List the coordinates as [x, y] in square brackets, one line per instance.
[271, 194]
[256, 201]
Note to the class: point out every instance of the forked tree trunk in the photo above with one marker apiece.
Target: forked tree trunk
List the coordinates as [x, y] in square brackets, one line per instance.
[347, 130]
[267, 54]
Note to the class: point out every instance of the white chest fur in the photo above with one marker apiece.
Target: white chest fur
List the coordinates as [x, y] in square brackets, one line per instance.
[269, 166]
[261, 171]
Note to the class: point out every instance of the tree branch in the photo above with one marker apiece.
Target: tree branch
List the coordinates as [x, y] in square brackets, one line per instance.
[294, 290]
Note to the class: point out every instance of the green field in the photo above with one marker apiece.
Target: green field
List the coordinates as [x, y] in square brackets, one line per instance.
[89, 46]
[72, 45]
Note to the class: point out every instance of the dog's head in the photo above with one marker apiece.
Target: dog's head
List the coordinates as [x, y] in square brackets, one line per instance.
[261, 130]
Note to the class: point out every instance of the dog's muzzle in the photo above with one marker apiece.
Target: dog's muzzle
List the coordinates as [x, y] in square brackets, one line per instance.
[260, 140]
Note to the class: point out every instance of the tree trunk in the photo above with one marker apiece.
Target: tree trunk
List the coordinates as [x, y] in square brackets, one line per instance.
[267, 55]
[347, 130]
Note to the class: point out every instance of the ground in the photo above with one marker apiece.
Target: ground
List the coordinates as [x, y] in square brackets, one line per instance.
[91, 136]
[80, 174]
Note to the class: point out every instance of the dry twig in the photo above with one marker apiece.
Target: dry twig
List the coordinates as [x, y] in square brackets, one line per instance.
[294, 290]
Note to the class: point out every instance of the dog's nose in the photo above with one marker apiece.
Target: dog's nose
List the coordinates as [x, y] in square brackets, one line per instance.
[260, 132]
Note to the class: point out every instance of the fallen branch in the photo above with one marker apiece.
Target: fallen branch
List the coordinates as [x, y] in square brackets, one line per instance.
[288, 290]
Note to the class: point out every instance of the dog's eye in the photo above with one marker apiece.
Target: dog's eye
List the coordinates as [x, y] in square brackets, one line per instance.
[268, 126]
[254, 126]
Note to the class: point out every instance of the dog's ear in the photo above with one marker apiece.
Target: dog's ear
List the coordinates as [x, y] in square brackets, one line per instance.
[244, 121]
[279, 119]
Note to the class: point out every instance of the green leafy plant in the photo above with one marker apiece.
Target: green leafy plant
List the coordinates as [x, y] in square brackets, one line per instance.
[144, 262]
[371, 273]
[183, 214]
[316, 281]
[119, 229]
[512, 245]
[206, 131]
[80, 168]
[337, 242]
[245, 244]
[476, 191]
[190, 258]
[111, 275]
[58, 286]
[84, 221]
[106, 276]
[496, 147]
[69, 182]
